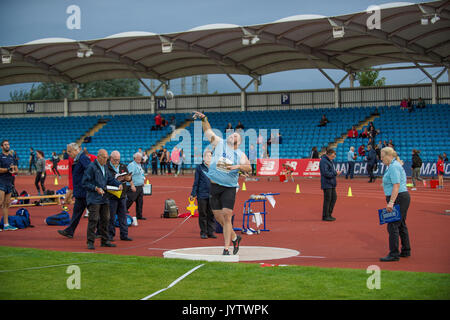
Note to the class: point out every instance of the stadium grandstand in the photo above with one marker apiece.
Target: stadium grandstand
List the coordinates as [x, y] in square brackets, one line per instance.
[299, 42]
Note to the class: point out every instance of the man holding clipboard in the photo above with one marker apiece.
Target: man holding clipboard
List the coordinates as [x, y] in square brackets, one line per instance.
[394, 186]
[118, 201]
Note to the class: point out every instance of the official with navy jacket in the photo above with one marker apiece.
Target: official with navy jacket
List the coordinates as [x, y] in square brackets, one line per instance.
[118, 206]
[95, 180]
[328, 184]
[80, 163]
[371, 162]
[200, 190]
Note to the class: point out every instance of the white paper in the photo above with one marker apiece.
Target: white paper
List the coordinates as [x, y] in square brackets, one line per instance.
[120, 174]
[257, 218]
[113, 188]
[271, 200]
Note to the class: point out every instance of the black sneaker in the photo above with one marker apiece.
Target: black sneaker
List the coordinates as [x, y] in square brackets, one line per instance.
[90, 246]
[226, 252]
[236, 244]
[108, 244]
[65, 234]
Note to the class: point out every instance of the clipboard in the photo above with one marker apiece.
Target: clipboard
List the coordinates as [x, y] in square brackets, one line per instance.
[147, 189]
[388, 217]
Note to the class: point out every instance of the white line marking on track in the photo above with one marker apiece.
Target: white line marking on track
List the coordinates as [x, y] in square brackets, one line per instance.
[174, 283]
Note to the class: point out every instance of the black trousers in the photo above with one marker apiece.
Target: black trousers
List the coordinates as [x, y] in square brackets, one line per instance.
[40, 180]
[137, 197]
[370, 169]
[98, 216]
[351, 170]
[399, 229]
[78, 209]
[154, 168]
[329, 200]
[119, 207]
[206, 219]
[163, 167]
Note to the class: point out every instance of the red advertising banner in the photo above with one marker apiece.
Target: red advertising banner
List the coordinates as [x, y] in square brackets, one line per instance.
[301, 167]
[63, 167]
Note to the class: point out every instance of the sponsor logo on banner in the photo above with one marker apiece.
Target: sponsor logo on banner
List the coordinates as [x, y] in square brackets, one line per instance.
[301, 167]
[63, 167]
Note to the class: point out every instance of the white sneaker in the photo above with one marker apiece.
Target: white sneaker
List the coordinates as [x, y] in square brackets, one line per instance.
[413, 189]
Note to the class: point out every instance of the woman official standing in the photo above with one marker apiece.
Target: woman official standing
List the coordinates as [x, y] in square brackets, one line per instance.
[40, 172]
[394, 186]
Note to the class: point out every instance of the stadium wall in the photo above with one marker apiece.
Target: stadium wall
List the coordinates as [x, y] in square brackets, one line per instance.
[255, 101]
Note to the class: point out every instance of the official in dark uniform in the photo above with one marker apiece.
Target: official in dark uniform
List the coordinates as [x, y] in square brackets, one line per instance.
[328, 184]
[371, 155]
[118, 205]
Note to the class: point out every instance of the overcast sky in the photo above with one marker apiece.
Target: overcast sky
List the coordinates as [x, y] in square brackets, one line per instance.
[22, 21]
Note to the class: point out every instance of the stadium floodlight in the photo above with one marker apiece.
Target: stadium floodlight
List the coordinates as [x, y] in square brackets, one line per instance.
[435, 19]
[85, 51]
[166, 47]
[166, 44]
[429, 14]
[6, 58]
[249, 38]
[338, 28]
[338, 32]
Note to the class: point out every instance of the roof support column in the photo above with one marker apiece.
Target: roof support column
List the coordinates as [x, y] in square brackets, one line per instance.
[337, 93]
[434, 91]
[152, 93]
[242, 89]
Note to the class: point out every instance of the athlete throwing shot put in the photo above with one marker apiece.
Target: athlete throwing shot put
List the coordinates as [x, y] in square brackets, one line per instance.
[227, 160]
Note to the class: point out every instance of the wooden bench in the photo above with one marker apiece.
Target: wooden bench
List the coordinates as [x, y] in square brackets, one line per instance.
[56, 198]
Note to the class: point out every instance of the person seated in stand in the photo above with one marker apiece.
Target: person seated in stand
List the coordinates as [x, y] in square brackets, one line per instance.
[240, 126]
[364, 134]
[420, 103]
[410, 105]
[323, 121]
[228, 127]
[352, 133]
[87, 139]
[403, 104]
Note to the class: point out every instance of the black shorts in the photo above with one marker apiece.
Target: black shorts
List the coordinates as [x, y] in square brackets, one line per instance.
[221, 197]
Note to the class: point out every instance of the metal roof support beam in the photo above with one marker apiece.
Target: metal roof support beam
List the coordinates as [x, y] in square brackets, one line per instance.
[242, 89]
[337, 93]
[152, 93]
[434, 91]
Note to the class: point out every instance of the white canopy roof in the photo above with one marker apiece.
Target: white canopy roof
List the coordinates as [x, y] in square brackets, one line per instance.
[296, 42]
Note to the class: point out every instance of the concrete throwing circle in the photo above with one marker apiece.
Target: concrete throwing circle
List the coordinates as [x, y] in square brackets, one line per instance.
[246, 253]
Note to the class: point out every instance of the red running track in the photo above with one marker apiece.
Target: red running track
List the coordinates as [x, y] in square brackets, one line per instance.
[354, 240]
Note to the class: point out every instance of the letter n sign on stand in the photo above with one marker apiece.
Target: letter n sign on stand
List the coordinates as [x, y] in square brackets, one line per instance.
[30, 107]
[285, 99]
[161, 103]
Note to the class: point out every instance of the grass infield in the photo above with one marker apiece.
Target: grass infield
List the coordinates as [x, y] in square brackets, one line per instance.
[32, 274]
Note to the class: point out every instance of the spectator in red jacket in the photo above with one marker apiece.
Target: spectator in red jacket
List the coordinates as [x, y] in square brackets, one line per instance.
[158, 121]
[352, 133]
[362, 150]
[440, 171]
[364, 134]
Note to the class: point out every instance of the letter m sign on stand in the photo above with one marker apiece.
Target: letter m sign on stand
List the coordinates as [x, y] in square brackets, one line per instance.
[30, 107]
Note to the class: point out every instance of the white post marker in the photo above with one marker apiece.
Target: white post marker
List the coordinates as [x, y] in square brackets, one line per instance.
[174, 283]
